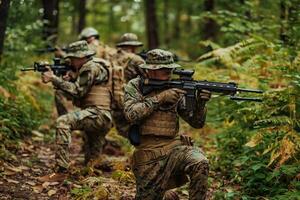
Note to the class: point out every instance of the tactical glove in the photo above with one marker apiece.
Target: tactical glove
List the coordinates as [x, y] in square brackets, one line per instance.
[187, 140]
[170, 96]
[203, 95]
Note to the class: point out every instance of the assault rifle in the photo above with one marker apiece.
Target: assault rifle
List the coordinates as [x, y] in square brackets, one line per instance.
[186, 83]
[58, 67]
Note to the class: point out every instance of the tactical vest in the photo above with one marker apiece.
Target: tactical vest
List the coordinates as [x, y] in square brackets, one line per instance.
[118, 79]
[100, 94]
[118, 83]
[161, 123]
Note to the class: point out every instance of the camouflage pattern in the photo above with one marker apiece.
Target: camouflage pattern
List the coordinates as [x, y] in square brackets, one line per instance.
[130, 63]
[129, 39]
[79, 49]
[94, 121]
[61, 100]
[102, 51]
[88, 32]
[158, 58]
[127, 63]
[162, 163]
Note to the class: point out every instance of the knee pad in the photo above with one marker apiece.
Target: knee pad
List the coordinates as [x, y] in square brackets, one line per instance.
[62, 123]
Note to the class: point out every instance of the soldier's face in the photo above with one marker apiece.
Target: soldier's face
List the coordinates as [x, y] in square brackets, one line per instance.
[131, 49]
[160, 74]
[77, 62]
[90, 39]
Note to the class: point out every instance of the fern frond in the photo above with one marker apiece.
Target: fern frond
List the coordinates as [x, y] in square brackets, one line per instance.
[274, 121]
[230, 55]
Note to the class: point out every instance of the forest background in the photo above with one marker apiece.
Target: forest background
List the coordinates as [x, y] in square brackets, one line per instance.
[253, 147]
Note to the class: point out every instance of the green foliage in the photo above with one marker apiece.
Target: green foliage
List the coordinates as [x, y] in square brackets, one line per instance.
[258, 144]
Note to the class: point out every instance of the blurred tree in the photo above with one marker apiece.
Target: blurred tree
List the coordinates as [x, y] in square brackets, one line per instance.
[166, 22]
[151, 24]
[176, 30]
[4, 8]
[210, 27]
[50, 17]
[82, 15]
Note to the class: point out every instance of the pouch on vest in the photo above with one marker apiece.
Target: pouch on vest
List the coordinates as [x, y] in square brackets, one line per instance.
[134, 135]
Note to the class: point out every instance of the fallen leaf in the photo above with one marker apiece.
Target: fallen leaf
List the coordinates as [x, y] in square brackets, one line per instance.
[37, 133]
[77, 186]
[52, 178]
[12, 181]
[13, 168]
[24, 168]
[46, 184]
[38, 188]
[31, 183]
[54, 183]
[5, 93]
[9, 173]
[51, 192]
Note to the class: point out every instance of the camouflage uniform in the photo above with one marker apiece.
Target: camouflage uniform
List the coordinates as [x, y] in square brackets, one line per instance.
[90, 92]
[163, 161]
[102, 51]
[126, 68]
[61, 99]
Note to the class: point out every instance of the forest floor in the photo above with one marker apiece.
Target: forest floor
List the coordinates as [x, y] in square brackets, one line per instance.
[24, 177]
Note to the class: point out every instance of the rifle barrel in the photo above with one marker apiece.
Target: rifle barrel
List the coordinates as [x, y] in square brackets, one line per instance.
[249, 90]
[27, 69]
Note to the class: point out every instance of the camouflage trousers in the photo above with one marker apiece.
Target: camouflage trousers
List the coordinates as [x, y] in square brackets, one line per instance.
[61, 100]
[158, 170]
[95, 124]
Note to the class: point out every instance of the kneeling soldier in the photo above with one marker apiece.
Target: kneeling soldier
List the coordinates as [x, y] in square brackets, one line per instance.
[91, 92]
[164, 159]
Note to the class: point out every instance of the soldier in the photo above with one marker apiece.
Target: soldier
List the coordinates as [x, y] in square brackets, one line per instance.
[125, 63]
[126, 55]
[90, 92]
[165, 159]
[92, 37]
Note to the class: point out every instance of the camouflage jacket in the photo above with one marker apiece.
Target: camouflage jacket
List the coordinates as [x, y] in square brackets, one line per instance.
[89, 74]
[129, 61]
[137, 107]
[102, 51]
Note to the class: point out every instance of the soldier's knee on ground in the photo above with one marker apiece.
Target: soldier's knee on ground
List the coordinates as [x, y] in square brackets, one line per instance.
[199, 169]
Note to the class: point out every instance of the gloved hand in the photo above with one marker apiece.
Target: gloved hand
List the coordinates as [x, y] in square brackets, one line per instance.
[171, 195]
[48, 75]
[170, 96]
[187, 140]
[203, 95]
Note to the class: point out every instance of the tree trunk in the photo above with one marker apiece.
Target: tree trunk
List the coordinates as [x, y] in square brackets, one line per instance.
[284, 14]
[166, 23]
[210, 27]
[82, 15]
[4, 7]
[176, 31]
[51, 14]
[151, 24]
[111, 18]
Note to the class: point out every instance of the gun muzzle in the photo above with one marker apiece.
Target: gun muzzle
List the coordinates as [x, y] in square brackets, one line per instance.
[245, 99]
[28, 69]
[249, 90]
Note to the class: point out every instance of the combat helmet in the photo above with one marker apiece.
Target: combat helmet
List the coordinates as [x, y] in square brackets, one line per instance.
[129, 39]
[79, 49]
[88, 32]
[158, 59]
